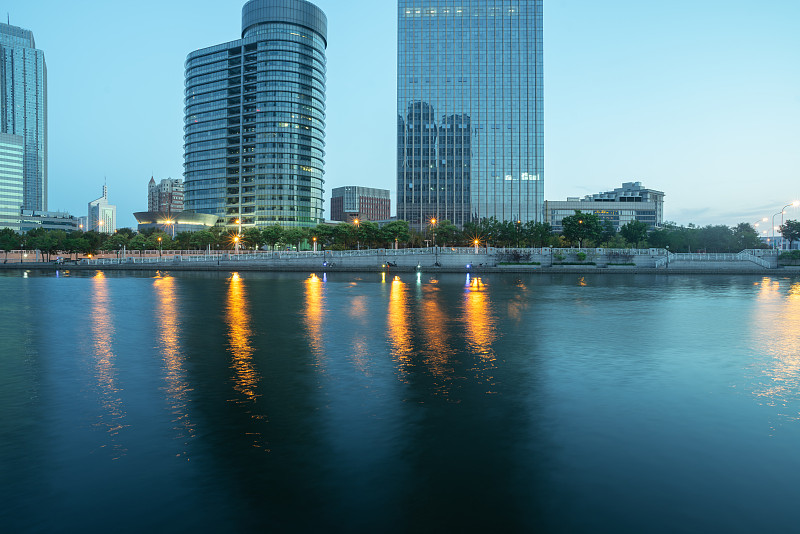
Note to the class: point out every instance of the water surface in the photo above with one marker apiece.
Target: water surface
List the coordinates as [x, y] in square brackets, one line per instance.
[302, 402]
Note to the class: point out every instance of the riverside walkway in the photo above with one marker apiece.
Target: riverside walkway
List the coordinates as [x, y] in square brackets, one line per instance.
[438, 259]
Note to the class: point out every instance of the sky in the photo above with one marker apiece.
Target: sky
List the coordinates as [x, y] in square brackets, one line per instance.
[699, 99]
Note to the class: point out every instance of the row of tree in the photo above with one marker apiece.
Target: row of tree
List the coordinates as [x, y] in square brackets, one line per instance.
[581, 230]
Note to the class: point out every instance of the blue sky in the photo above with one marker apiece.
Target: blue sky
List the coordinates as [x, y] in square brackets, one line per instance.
[700, 99]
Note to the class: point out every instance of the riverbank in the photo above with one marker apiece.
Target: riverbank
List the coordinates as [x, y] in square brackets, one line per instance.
[445, 260]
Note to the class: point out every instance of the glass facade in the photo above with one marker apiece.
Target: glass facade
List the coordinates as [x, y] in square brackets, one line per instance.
[470, 105]
[23, 107]
[254, 142]
[12, 151]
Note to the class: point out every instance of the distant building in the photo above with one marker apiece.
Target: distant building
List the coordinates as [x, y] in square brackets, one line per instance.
[185, 221]
[102, 215]
[356, 202]
[165, 196]
[23, 107]
[631, 202]
[12, 177]
[49, 220]
[83, 223]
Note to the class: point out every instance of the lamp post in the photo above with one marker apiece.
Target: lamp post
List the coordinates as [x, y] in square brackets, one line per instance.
[236, 243]
[433, 227]
[315, 244]
[358, 237]
[159, 246]
[476, 242]
[774, 228]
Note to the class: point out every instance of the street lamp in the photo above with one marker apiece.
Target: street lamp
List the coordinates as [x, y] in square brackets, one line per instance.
[159, 246]
[358, 237]
[433, 226]
[476, 242]
[170, 222]
[315, 244]
[236, 243]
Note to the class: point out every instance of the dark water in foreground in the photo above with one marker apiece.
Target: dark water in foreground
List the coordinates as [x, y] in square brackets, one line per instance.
[275, 403]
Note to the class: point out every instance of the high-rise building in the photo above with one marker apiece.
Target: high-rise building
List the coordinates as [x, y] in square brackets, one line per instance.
[23, 107]
[470, 105]
[102, 215]
[355, 202]
[165, 196]
[12, 177]
[255, 119]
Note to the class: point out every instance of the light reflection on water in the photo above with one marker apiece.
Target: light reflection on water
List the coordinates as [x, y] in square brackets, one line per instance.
[237, 317]
[399, 327]
[314, 316]
[617, 406]
[102, 328]
[777, 335]
[177, 389]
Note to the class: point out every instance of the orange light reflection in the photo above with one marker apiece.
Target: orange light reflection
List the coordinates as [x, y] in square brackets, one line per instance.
[104, 358]
[237, 318]
[177, 388]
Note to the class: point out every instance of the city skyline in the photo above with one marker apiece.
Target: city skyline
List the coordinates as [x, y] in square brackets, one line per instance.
[672, 96]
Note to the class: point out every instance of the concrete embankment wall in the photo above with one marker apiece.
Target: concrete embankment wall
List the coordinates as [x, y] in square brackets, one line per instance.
[436, 260]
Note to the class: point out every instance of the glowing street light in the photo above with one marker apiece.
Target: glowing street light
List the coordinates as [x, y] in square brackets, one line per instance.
[476, 242]
[236, 243]
[433, 226]
[358, 237]
[315, 244]
[159, 246]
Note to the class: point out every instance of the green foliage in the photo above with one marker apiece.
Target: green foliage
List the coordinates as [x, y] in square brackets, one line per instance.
[791, 230]
[582, 227]
[790, 255]
[272, 235]
[9, 240]
[634, 232]
[581, 256]
[396, 230]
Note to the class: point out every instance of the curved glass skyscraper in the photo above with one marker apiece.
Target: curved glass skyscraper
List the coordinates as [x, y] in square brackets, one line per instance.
[470, 105]
[255, 119]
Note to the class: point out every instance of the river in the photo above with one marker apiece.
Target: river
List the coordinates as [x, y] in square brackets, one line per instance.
[266, 402]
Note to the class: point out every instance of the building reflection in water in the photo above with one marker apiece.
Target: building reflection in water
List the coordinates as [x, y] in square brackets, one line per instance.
[237, 318]
[169, 326]
[314, 316]
[777, 336]
[399, 325]
[104, 359]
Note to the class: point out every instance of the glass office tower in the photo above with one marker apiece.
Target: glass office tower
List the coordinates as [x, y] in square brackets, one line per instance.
[255, 119]
[470, 105]
[23, 107]
[12, 179]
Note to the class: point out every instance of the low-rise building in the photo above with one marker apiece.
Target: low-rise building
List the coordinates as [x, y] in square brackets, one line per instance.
[185, 221]
[49, 220]
[364, 203]
[631, 202]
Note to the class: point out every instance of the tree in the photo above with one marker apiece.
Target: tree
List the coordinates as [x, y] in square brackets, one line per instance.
[581, 227]
[253, 238]
[396, 231]
[536, 234]
[203, 239]
[608, 232]
[9, 240]
[791, 230]
[446, 233]
[634, 232]
[272, 235]
[745, 236]
[294, 236]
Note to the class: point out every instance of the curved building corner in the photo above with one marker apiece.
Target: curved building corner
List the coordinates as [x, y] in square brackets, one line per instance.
[254, 127]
